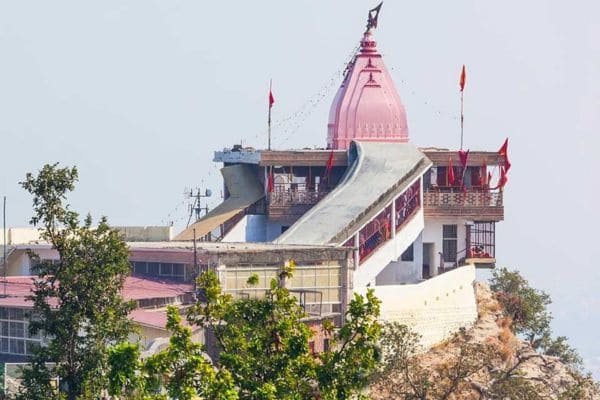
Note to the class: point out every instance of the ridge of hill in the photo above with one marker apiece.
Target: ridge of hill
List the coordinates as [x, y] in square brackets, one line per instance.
[495, 365]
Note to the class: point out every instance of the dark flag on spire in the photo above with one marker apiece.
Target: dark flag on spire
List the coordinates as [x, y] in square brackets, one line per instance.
[373, 16]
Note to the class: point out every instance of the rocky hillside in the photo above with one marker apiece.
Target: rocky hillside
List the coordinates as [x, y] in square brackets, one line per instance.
[484, 362]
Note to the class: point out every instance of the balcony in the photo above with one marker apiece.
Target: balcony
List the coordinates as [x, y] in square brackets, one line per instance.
[289, 201]
[476, 205]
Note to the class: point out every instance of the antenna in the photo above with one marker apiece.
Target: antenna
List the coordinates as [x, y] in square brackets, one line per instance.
[195, 207]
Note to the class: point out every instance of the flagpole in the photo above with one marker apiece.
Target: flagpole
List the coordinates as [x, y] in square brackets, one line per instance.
[463, 79]
[462, 119]
[269, 120]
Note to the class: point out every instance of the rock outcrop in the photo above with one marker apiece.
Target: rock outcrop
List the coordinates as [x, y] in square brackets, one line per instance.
[505, 355]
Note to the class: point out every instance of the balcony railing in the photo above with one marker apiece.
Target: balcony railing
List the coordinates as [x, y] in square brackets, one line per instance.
[473, 205]
[285, 194]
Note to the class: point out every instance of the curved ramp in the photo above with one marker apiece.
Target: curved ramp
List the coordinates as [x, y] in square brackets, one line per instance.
[244, 189]
[378, 172]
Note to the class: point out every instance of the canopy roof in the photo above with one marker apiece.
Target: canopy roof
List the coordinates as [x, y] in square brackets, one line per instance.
[244, 189]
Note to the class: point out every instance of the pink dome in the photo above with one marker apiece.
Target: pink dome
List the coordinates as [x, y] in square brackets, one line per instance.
[367, 106]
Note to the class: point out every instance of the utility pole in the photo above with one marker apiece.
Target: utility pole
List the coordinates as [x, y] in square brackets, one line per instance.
[196, 272]
[4, 243]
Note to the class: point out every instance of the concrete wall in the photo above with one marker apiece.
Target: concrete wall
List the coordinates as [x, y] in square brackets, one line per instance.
[435, 308]
[19, 263]
[132, 234]
[402, 272]
[146, 233]
[251, 228]
[390, 251]
[20, 236]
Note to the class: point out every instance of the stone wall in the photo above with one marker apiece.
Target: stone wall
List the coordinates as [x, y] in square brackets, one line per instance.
[435, 308]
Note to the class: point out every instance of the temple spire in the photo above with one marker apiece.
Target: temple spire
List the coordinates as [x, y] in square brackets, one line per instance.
[367, 106]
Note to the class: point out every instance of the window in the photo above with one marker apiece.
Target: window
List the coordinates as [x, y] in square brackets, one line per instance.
[168, 270]
[139, 267]
[408, 254]
[326, 344]
[178, 270]
[153, 268]
[14, 332]
[450, 242]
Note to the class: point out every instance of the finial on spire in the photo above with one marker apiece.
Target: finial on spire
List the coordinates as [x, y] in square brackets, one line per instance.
[373, 16]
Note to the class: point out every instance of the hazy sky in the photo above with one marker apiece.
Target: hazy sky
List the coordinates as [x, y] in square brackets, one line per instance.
[139, 94]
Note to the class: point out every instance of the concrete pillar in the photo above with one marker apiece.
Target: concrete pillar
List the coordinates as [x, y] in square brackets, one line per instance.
[222, 275]
[393, 226]
[356, 250]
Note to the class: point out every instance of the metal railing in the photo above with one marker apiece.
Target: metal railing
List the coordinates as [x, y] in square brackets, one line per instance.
[284, 194]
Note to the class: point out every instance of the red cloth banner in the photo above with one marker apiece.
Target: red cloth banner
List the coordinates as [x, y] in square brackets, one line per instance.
[329, 165]
[503, 179]
[271, 99]
[504, 153]
[451, 177]
[270, 181]
[463, 78]
[464, 157]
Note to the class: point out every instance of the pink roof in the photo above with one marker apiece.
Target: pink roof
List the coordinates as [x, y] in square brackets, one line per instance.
[156, 318]
[367, 106]
[19, 287]
[137, 288]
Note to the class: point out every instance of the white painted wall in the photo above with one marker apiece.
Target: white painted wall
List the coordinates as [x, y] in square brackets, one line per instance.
[366, 272]
[435, 308]
[273, 230]
[20, 236]
[433, 234]
[402, 272]
[20, 265]
[251, 228]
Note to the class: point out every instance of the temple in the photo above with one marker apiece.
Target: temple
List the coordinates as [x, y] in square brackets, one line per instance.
[417, 220]
[371, 209]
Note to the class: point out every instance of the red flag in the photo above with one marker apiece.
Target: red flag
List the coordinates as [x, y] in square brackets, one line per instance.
[503, 179]
[271, 98]
[463, 78]
[464, 157]
[270, 181]
[504, 153]
[329, 165]
[451, 177]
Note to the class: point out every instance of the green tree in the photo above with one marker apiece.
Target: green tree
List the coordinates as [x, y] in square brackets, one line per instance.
[528, 309]
[76, 301]
[183, 369]
[264, 344]
[124, 371]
